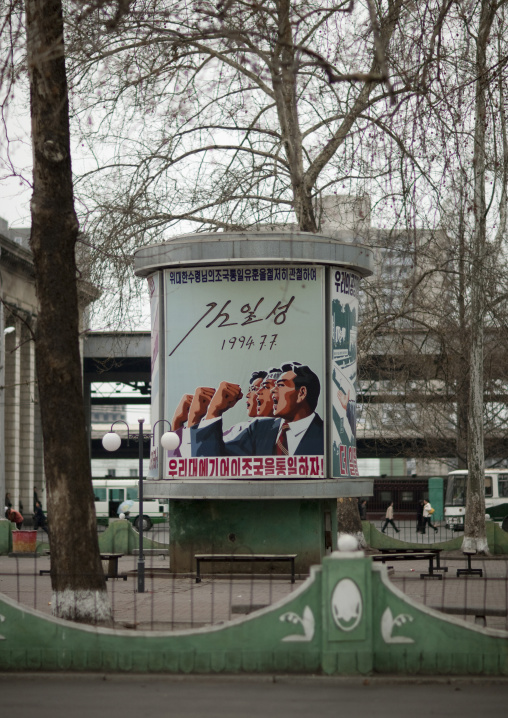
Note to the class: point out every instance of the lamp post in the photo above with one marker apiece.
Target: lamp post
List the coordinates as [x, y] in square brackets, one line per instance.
[141, 555]
[111, 442]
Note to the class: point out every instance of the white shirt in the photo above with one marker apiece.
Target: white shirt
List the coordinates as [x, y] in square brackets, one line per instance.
[185, 444]
[296, 431]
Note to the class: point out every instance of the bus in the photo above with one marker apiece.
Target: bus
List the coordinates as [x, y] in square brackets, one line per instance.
[110, 493]
[496, 498]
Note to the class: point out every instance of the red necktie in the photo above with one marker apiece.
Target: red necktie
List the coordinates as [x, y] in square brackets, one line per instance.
[281, 446]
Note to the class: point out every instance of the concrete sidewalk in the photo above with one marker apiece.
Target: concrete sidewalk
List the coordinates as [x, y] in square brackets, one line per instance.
[168, 602]
[252, 696]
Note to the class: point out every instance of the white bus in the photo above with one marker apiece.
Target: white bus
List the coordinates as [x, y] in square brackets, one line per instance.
[496, 498]
[110, 493]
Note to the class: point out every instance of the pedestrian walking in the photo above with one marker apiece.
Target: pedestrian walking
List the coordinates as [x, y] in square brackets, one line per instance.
[36, 497]
[389, 519]
[39, 518]
[420, 523]
[427, 516]
[362, 508]
[15, 517]
[8, 502]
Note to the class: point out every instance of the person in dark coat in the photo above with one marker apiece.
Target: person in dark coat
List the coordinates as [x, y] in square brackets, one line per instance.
[420, 523]
[362, 508]
[39, 517]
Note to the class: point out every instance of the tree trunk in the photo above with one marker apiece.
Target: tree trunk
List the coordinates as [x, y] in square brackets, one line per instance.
[462, 366]
[79, 589]
[348, 520]
[284, 83]
[475, 537]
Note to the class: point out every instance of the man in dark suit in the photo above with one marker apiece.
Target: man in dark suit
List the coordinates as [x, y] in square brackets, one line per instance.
[295, 429]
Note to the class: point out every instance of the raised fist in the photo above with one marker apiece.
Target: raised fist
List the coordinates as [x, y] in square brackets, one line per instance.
[224, 398]
[181, 412]
[200, 401]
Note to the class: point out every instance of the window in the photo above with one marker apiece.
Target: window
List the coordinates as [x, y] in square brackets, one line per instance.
[132, 493]
[133, 472]
[503, 485]
[456, 491]
[407, 496]
[116, 494]
[386, 496]
[99, 494]
[488, 486]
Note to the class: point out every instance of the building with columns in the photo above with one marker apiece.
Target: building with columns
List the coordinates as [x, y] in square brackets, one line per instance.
[21, 456]
[21, 449]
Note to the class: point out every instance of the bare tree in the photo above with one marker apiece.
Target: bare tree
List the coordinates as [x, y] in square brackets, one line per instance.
[79, 589]
[244, 114]
[228, 121]
[456, 290]
[233, 119]
[475, 538]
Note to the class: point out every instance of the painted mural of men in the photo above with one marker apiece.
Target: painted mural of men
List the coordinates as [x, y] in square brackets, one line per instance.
[189, 412]
[264, 393]
[294, 398]
[255, 383]
[193, 407]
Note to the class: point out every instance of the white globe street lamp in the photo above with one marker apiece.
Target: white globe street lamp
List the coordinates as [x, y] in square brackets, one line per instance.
[111, 441]
[170, 441]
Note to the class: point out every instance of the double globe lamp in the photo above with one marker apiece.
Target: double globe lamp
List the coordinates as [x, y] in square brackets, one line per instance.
[111, 442]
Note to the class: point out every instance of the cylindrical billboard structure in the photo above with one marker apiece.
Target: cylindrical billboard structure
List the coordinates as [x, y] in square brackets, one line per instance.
[254, 363]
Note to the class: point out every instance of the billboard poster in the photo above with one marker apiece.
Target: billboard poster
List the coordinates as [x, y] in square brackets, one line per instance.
[154, 294]
[344, 286]
[244, 350]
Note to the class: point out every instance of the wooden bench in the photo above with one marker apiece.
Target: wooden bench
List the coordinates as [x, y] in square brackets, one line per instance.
[111, 558]
[248, 557]
[420, 556]
[435, 551]
[469, 571]
[151, 552]
[43, 571]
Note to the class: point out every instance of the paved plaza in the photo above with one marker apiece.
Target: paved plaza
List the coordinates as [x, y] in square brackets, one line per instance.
[175, 603]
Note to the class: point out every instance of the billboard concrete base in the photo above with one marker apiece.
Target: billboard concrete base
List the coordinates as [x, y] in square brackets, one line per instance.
[305, 527]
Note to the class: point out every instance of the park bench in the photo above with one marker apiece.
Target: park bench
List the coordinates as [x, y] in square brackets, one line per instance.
[151, 552]
[469, 571]
[435, 551]
[111, 558]
[420, 556]
[237, 558]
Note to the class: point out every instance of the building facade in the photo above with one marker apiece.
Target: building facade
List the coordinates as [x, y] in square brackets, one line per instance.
[21, 447]
[21, 455]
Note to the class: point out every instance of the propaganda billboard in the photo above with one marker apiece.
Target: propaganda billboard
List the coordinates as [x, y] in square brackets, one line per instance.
[245, 372]
[344, 287]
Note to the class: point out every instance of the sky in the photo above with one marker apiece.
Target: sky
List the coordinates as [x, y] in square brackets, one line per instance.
[15, 153]
[15, 185]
